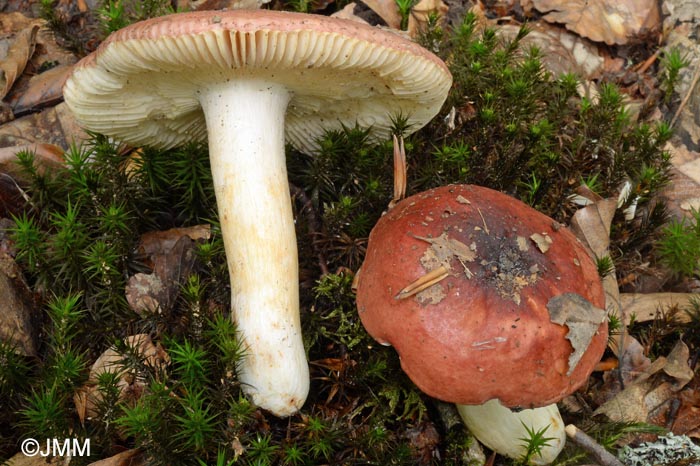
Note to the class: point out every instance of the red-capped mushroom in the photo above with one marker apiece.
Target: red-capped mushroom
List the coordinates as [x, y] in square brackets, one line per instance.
[487, 302]
[247, 80]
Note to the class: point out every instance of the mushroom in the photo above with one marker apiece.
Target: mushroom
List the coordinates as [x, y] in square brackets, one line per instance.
[489, 304]
[245, 80]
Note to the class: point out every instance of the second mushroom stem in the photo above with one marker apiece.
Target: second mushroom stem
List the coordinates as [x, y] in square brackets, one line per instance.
[245, 124]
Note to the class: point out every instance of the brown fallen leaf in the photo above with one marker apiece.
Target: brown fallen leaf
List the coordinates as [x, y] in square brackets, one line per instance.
[41, 91]
[421, 12]
[17, 310]
[609, 21]
[348, 12]
[582, 319]
[170, 254]
[46, 157]
[645, 307]
[647, 398]
[12, 22]
[53, 125]
[562, 51]
[388, 10]
[687, 419]
[133, 457]
[19, 52]
[20, 459]
[231, 4]
[591, 224]
[88, 397]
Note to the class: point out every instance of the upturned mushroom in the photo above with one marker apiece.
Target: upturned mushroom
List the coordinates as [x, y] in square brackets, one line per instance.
[246, 80]
[490, 305]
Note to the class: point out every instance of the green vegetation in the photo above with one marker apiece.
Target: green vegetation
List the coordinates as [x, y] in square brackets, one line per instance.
[508, 124]
[672, 63]
[679, 246]
[534, 443]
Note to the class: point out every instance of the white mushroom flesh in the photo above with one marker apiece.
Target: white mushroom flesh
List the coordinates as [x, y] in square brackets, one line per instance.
[245, 123]
[504, 431]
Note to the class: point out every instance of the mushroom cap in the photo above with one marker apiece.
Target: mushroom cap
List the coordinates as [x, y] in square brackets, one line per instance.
[485, 331]
[141, 84]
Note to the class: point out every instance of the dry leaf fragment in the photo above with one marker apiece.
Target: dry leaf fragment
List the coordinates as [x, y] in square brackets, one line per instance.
[42, 90]
[609, 21]
[53, 125]
[421, 12]
[88, 397]
[562, 51]
[19, 52]
[134, 457]
[646, 398]
[46, 157]
[348, 12]
[17, 312]
[677, 364]
[581, 317]
[231, 4]
[146, 294]
[443, 249]
[171, 255]
[388, 10]
[644, 307]
[543, 242]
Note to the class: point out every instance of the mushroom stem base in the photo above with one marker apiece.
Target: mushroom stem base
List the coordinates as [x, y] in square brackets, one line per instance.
[245, 124]
[504, 431]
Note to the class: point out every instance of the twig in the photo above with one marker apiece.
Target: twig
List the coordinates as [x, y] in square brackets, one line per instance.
[399, 171]
[685, 100]
[424, 282]
[308, 210]
[583, 440]
[486, 228]
[642, 67]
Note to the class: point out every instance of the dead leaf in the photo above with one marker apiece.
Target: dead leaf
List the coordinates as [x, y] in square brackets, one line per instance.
[643, 307]
[146, 294]
[562, 51]
[421, 12]
[133, 457]
[162, 242]
[592, 225]
[543, 242]
[11, 23]
[54, 125]
[231, 4]
[348, 12]
[88, 397]
[170, 254]
[46, 157]
[646, 398]
[582, 319]
[609, 21]
[442, 250]
[42, 90]
[388, 10]
[17, 310]
[19, 52]
[677, 364]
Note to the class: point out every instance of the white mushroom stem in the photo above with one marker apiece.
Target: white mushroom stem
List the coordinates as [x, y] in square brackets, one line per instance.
[503, 430]
[245, 125]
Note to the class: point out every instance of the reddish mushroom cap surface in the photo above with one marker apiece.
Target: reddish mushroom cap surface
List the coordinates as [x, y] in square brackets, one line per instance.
[516, 312]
